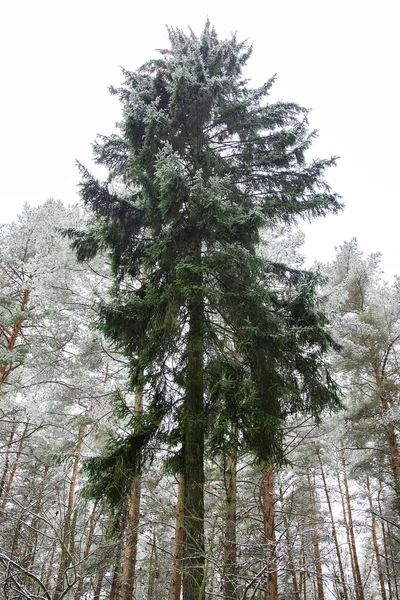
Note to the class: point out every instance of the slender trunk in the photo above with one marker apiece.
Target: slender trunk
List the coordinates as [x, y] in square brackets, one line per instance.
[292, 569]
[334, 533]
[375, 544]
[176, 579]
[132, 527]
[317, 552]
[102, 563]
[67, 526]
[7, 459]
[230, 550]
[359, 588]
[271, 592]
[35, 522]
[89, 541]
[154, 570]
[386, 549]
[193, 446]
[10, 481]
[117, 575]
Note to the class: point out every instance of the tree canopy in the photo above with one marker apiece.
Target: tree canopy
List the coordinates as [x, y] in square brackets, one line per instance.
[215, 333]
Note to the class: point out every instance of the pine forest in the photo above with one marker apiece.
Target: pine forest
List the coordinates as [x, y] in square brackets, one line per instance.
[186, 411]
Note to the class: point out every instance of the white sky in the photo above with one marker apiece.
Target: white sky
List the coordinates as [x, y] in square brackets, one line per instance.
[339, 58]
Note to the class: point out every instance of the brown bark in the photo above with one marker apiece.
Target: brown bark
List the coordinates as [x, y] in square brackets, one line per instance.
[132, 526]
[176, 578]
[67, 525]
[271, 592]
[359, 588]
[11, 336]
[334, 533]
[117, 575]
[317, 553]
[230, 549]
[375, 544]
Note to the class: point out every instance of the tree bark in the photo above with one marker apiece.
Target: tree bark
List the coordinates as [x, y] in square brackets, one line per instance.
[291, 565]
[271, 592]
[176, 579]
[359, 588]
[132, 526]
[11, 336]
[334, 533]
[67, 526]
[230, 550]
[6, 491]
[193, 446]
[317, 552]
[375, 544]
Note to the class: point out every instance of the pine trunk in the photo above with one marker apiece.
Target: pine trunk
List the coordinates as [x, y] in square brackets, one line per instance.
[193, 448]
[317, 552]
[271, 592]
[230, 550]
[343, 585]
[359, 588]
[67, 526]
[375, 544]
[176, 579]
[291, 565]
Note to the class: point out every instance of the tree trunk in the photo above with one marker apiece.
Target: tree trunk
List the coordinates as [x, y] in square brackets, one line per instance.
[102, 563]
[317, 552]
[93, 520]
[67, 526]
[193, 447]
[334, 534]
[117, 575]
[176, 579]
[6, 494]
[359, 588]
[132, 526]
[385, 545]
[230, 550]
[271, 592]
[375, 544]
[153, 571]
[291, 565]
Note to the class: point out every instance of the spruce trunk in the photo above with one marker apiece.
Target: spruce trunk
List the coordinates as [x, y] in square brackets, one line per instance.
[271, 593]
[230, 550]
[176, 579]
[193, 447]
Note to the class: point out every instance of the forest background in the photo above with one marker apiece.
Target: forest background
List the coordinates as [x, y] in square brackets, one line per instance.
[363, 311]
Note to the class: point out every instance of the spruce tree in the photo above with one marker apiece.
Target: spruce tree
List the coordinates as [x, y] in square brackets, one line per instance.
[202, 162]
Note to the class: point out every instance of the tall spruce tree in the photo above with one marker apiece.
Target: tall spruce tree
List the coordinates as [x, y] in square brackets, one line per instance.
[200, 165]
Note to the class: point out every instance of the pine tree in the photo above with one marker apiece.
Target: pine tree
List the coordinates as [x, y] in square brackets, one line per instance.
[200, 165]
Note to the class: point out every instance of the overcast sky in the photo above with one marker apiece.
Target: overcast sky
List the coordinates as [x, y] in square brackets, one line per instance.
[341, 59]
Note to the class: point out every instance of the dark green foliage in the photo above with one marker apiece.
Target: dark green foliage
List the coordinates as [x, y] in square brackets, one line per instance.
[212, 331]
